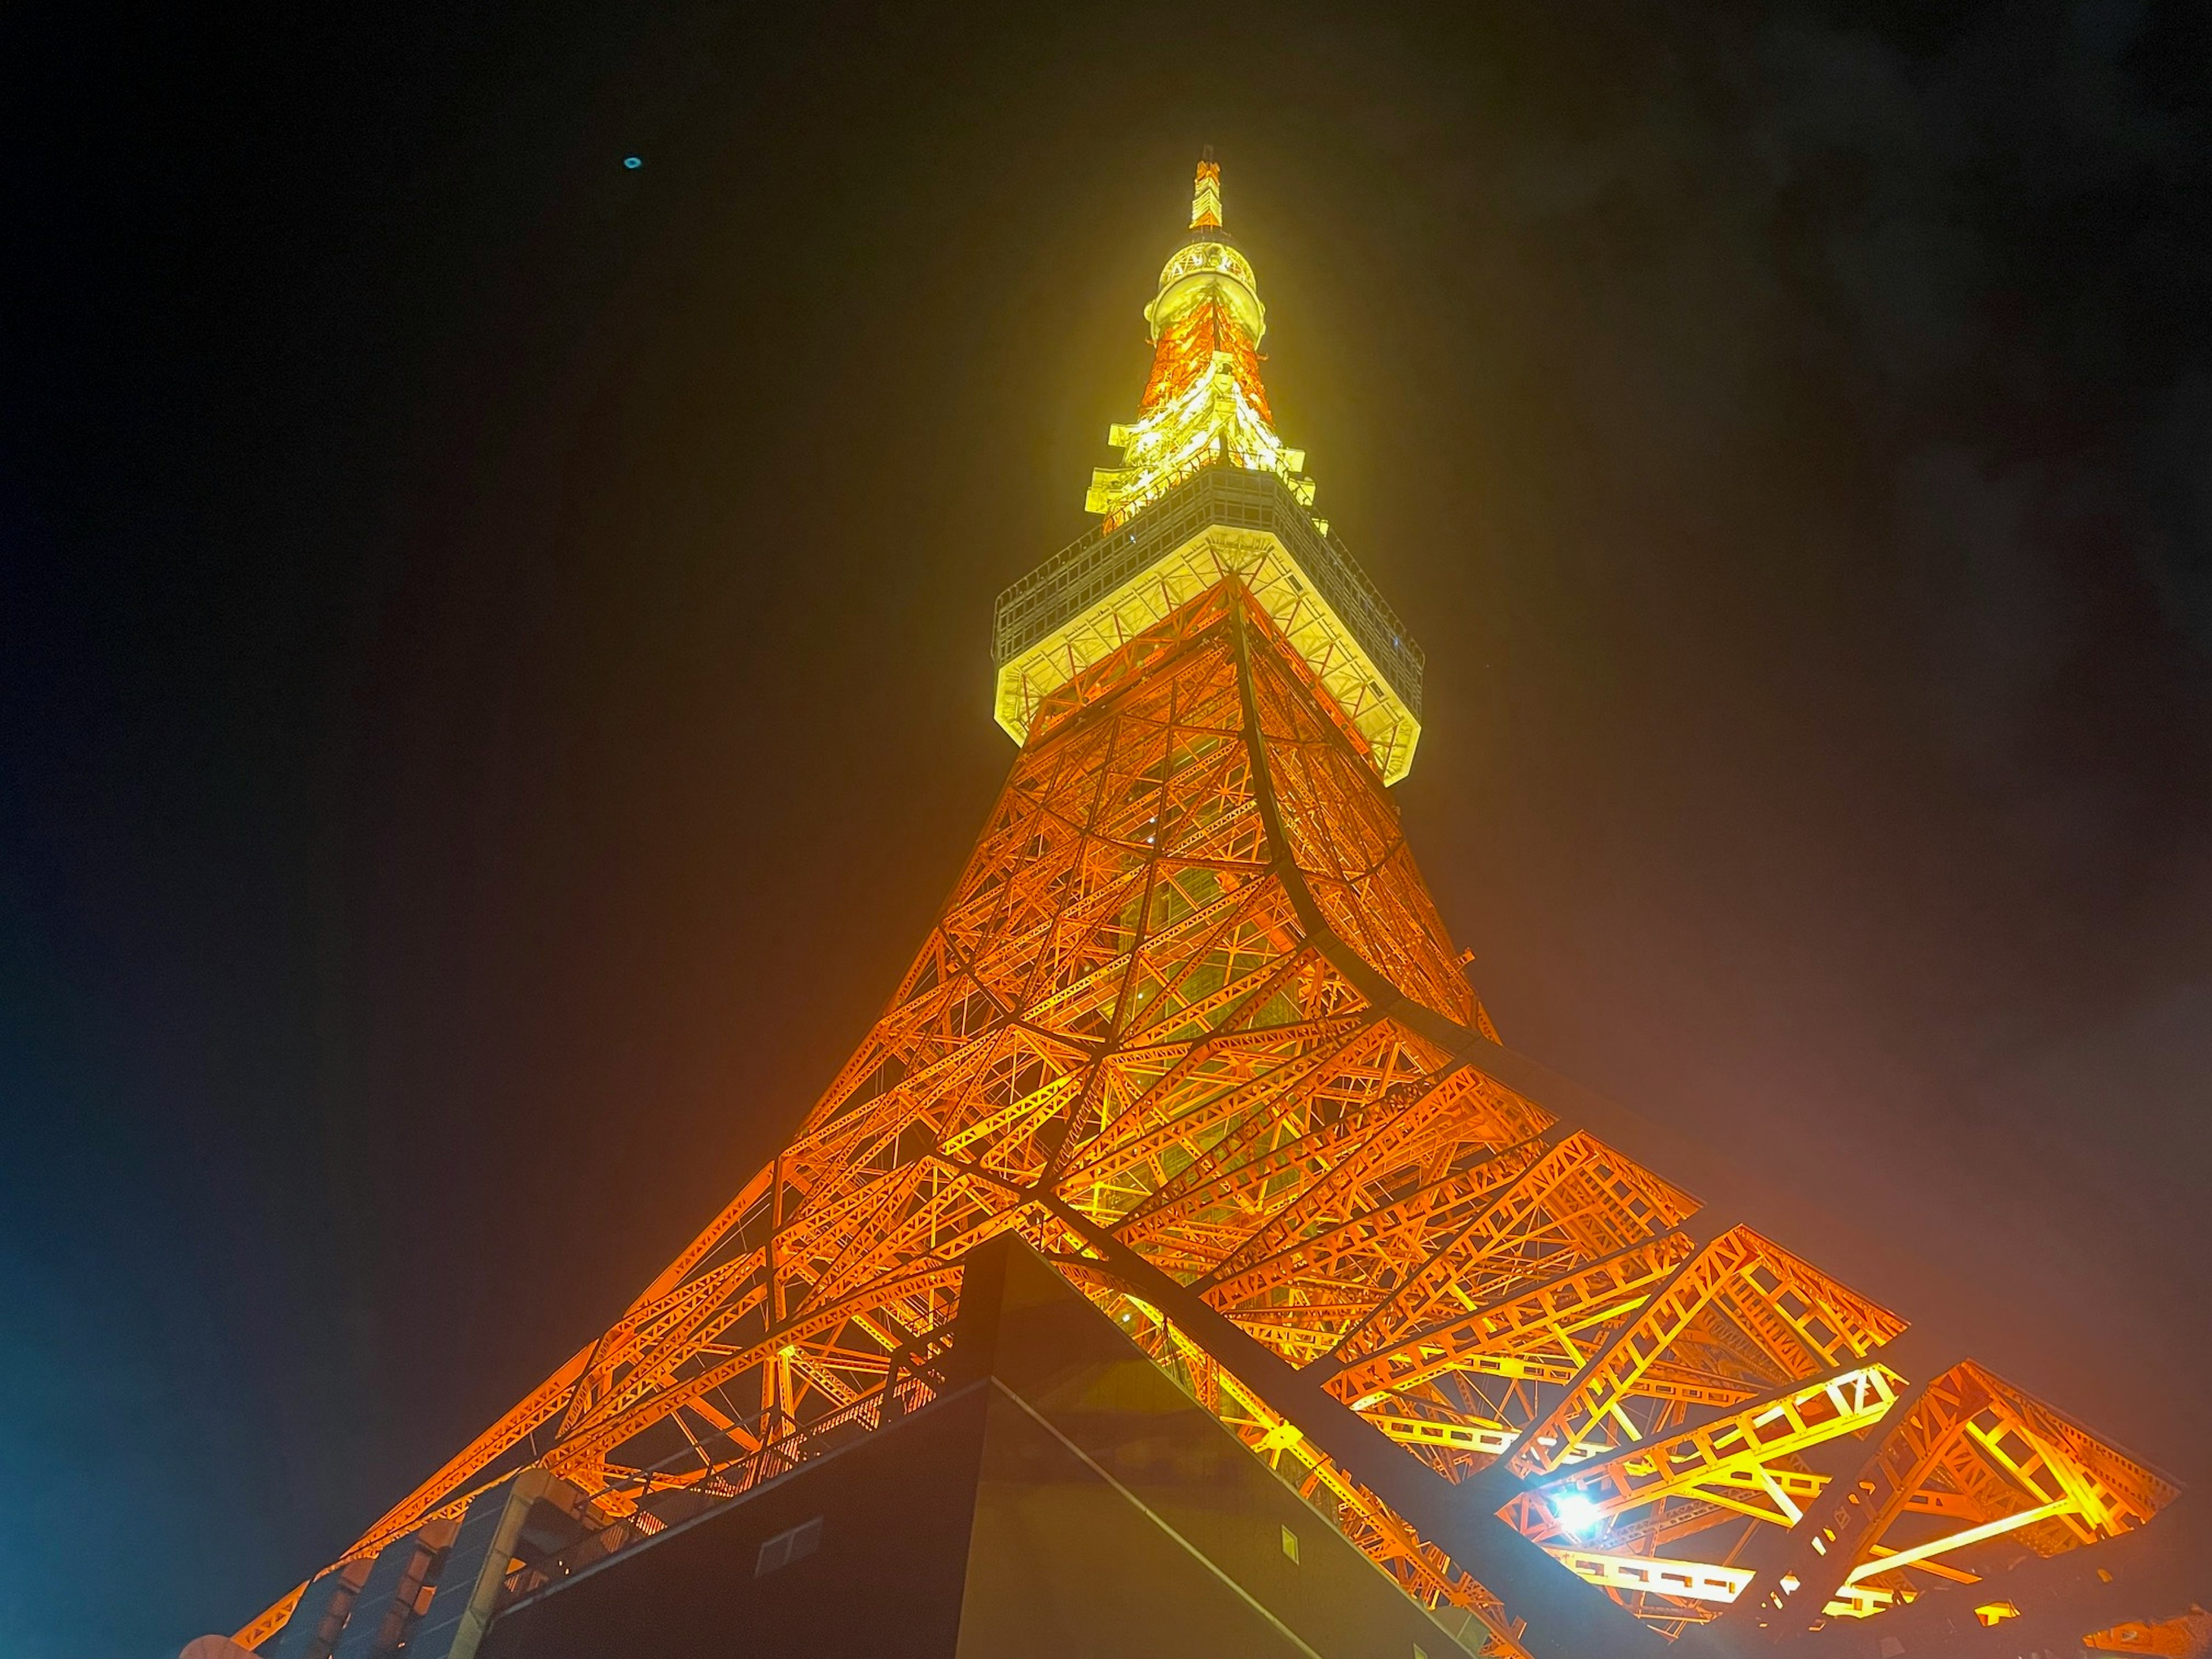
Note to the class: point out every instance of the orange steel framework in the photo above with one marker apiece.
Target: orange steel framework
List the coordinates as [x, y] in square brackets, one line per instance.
[1190, 1023]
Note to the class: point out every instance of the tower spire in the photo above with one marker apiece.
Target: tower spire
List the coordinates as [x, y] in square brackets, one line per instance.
[1205, 193]
[1204, 403]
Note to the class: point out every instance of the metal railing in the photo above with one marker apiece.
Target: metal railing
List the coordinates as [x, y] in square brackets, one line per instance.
[1089, 569]
[720, 1482]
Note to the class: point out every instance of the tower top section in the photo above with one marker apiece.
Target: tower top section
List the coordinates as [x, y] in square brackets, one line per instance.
[1205, 401]
[1206, 493]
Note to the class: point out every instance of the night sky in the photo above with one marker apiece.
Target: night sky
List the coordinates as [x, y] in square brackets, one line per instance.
[493, 646]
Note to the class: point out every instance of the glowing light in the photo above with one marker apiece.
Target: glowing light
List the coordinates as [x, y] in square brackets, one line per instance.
[1577, 1514]
[633, 162]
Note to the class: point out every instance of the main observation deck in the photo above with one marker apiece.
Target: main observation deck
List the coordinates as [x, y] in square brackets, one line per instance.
[1102, 590]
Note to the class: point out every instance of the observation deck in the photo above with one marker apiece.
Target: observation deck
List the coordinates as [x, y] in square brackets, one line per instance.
[1103, 589]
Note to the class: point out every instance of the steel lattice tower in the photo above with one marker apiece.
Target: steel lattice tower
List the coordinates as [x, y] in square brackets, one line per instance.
[1190, 1025]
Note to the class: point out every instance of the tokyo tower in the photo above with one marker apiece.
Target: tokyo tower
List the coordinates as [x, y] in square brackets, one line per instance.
[1190, 1032]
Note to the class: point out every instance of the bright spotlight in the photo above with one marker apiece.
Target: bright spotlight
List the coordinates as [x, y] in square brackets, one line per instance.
[1576, 1513]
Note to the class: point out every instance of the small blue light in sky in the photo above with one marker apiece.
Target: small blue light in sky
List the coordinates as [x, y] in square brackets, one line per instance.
[633, 162]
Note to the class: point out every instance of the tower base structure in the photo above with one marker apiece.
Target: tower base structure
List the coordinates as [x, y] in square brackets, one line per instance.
[1044, 1486]
[1061, 1496]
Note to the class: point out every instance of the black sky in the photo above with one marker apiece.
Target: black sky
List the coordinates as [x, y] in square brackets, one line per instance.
[492, 645]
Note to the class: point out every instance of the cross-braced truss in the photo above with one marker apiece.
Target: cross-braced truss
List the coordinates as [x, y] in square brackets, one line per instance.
[1191, 989]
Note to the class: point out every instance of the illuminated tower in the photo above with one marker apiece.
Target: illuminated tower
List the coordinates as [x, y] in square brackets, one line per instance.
[1190, 1028]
